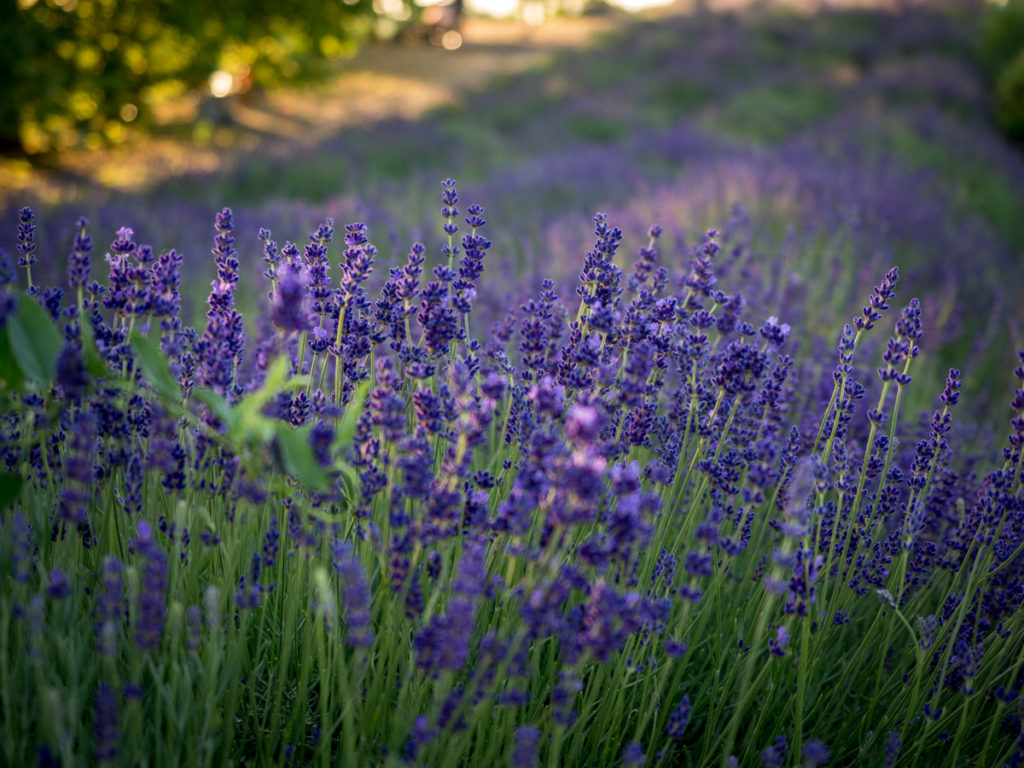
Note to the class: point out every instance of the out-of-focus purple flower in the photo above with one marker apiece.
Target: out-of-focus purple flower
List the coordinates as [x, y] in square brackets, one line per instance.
[775, 755]
[109, 607]
[779, 644]
[443, 644]
[421, 735]
[633, 755]
[6, 269]
[78, 470]
[892, 748]
[152, 599]
[21, 548]
[105, 723]
[815, 753]
[8, 298]
[58, 587]
[524, 753]
[356, 594]
[194, 622]
[678, 720]
[289, 309]
[72, 377]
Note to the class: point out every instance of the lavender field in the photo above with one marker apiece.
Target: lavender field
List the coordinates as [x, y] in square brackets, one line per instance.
[658, 403]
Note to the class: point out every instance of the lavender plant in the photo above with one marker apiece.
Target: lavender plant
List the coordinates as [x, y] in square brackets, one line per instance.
[626, 528]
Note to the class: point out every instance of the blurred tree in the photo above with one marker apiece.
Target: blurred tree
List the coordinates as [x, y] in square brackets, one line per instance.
[75, 67]
[1010, 98]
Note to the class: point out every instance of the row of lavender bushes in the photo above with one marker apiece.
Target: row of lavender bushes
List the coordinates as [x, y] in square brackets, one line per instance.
[623, 527]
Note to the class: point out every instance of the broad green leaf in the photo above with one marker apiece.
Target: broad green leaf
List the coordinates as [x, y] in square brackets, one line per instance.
[35, 341]
[154, 367]
[249, 419]
[11, 377]
[94, 362]
[299, 459]
[354, 409]
[217, 405]
[10, 487]
[296, 382]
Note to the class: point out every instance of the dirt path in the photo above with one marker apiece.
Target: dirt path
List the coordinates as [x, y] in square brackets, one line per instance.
[384, 80]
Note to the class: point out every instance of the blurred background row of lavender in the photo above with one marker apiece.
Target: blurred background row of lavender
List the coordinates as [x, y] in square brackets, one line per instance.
[830, 141]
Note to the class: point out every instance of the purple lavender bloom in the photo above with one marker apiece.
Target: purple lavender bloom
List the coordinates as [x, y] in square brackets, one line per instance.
[815, 753]
[951, 394]
[356, 594]
[26, 238]
[220, 348]
[878, 301]
[105, 723]
[892, 748]
[449, 199]
[443, 644]
[289, 309]
[109, 607]
[678, 720]
[775, 755]
[21, 548]
[152, 600]
[271, 256]
[524, 753]
[779, 644]
[78, 471]
[164, 285]
[79, 260]
[633, 755]
[72, 377]
[58, 587]
[8, 299]
[194, 622]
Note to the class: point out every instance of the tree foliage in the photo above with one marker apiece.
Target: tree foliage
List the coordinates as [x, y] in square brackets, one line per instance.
[84, 66]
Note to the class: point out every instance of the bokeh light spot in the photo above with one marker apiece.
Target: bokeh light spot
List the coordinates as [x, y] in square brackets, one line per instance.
[221, 83]
[451, 40]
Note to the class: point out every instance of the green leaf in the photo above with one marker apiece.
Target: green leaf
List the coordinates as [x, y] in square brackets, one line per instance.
[249, 419]
[217, 405]
[10, 487]
[35, 341]
[154, 367]
[94, 362]
[11, 377]
[299, 459]
[350, 477]
[354, 409]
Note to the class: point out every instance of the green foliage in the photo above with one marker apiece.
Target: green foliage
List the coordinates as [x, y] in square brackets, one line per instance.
[1010, 98]
[773, 113]
[34, 341]
[84, 66]
[1002, 35]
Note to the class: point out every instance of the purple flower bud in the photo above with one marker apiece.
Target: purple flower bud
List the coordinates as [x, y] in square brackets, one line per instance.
[290, 310]
[26, 237]
[105, 723]
[58, 587]
[678, 720]
[524, 754]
